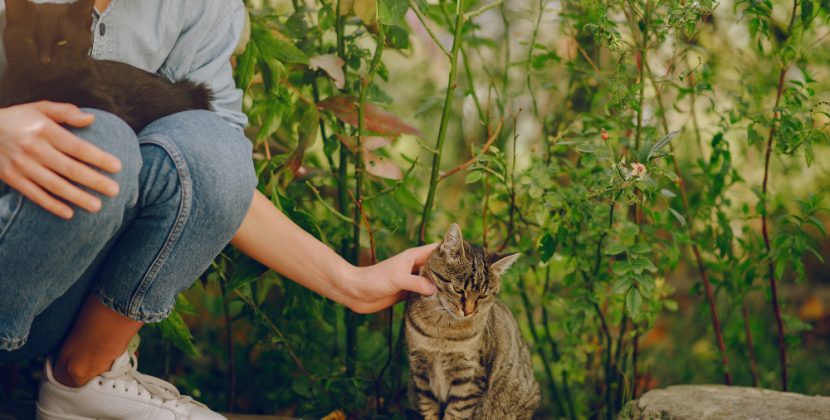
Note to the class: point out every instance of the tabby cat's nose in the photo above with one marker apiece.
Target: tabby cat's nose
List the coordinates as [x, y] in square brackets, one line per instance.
[469, 307]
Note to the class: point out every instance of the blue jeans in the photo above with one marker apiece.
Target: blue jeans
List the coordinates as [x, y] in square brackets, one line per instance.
[187, 181]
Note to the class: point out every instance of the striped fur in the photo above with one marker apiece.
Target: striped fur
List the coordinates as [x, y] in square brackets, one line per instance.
[466, 354]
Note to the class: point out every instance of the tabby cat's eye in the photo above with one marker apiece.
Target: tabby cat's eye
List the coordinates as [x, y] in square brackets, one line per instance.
[62, 42]
[440, 277]
[30, 40]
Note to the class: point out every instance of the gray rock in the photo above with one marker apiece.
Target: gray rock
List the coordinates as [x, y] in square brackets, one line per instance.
[715, 402]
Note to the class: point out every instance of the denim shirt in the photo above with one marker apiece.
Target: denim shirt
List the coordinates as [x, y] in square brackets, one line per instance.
[178, 39]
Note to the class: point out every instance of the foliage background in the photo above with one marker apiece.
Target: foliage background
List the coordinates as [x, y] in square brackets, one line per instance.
[634, 151]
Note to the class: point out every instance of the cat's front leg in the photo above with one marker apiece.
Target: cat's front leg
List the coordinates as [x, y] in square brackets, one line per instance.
[421, 397]
[424, 401]
[465, 397]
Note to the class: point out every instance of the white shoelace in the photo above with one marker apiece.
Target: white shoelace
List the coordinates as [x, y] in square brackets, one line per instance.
[157, 388]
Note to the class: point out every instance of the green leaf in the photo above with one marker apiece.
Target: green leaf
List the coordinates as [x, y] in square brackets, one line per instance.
[184, 306]
[640, 248]
[391, 12]
[806, 11]
[634, 302]
[274, 46]
[620, 285]
[271, 121]
[407, 199]
[244, 271]
[640, 264]
[678, 216]
[246, 66]
[628, 232]
[390, 213]
[547, 247]
[175, 330]
[473, 177]
[614, 248]
[308, 222]
[660, 144]
[587, 147]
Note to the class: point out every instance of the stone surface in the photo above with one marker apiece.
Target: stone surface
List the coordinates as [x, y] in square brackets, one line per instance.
[715, 402]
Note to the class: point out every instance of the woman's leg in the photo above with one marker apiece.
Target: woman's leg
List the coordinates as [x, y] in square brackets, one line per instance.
[42, 256]
[197, 182]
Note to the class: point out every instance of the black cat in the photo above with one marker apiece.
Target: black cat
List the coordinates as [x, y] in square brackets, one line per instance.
[47, 51]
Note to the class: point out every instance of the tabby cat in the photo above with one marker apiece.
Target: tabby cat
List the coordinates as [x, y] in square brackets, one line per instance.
[47, 51]
[466, 354]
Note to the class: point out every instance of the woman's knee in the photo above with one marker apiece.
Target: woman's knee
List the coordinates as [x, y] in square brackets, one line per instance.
[112, 135]
[218, 160]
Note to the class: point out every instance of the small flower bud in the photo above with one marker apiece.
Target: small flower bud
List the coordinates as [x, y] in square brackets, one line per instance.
[638, 169]
[604, 135]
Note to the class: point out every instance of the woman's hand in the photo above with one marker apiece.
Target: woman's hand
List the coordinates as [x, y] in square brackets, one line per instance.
[41, 160]
[271, 238]
[386, 283]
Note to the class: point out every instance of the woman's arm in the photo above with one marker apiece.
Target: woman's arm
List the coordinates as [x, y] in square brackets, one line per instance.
[271, 238]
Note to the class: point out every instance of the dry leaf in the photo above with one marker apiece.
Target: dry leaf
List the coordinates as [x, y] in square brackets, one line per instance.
[332, 65]
[382, 167]
[377, 120]
[346, 7]
[335, 415]
[374, 164]
[369, 142]
[367, 11]
[374, 143]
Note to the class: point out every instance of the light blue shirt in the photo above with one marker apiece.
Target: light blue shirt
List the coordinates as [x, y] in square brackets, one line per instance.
[178, 39]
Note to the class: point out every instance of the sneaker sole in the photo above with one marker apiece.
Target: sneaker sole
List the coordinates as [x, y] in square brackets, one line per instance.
[43, 414]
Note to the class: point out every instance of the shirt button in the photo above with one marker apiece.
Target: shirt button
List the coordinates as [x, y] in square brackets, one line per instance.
[102, 29]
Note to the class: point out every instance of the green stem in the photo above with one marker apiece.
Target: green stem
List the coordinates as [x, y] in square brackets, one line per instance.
[472, 89]
[538, 344]
[554, 348]
[445, 119]
[352, 318]
[699, 263]
[776, 307]
[643, 50]
[530, 60]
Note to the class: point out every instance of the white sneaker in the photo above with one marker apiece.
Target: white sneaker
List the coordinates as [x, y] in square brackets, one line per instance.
[121, 393]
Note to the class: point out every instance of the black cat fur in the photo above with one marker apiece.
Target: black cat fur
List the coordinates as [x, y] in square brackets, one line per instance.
[47, 50]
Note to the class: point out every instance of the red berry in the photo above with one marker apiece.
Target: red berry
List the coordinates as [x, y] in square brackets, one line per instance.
[604, 135]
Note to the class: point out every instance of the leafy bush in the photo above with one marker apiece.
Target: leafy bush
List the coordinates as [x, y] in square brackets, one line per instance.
[620, 146]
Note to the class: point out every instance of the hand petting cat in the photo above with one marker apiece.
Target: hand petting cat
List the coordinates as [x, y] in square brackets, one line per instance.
[40, 159]
[382, 285]
[311, 263]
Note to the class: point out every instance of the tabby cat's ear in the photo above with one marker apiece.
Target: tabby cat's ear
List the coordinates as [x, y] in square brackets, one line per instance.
[453, 244]
[502, 263]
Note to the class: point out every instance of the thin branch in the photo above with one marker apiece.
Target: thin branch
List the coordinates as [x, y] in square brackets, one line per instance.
[776, 307]
[370, 232]
[701, 267]
[753, 364]
[431, 34]
[445, 121]
[587, 57]
[328, 206]
[276, 331]
[483, 9]
[474, 159]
